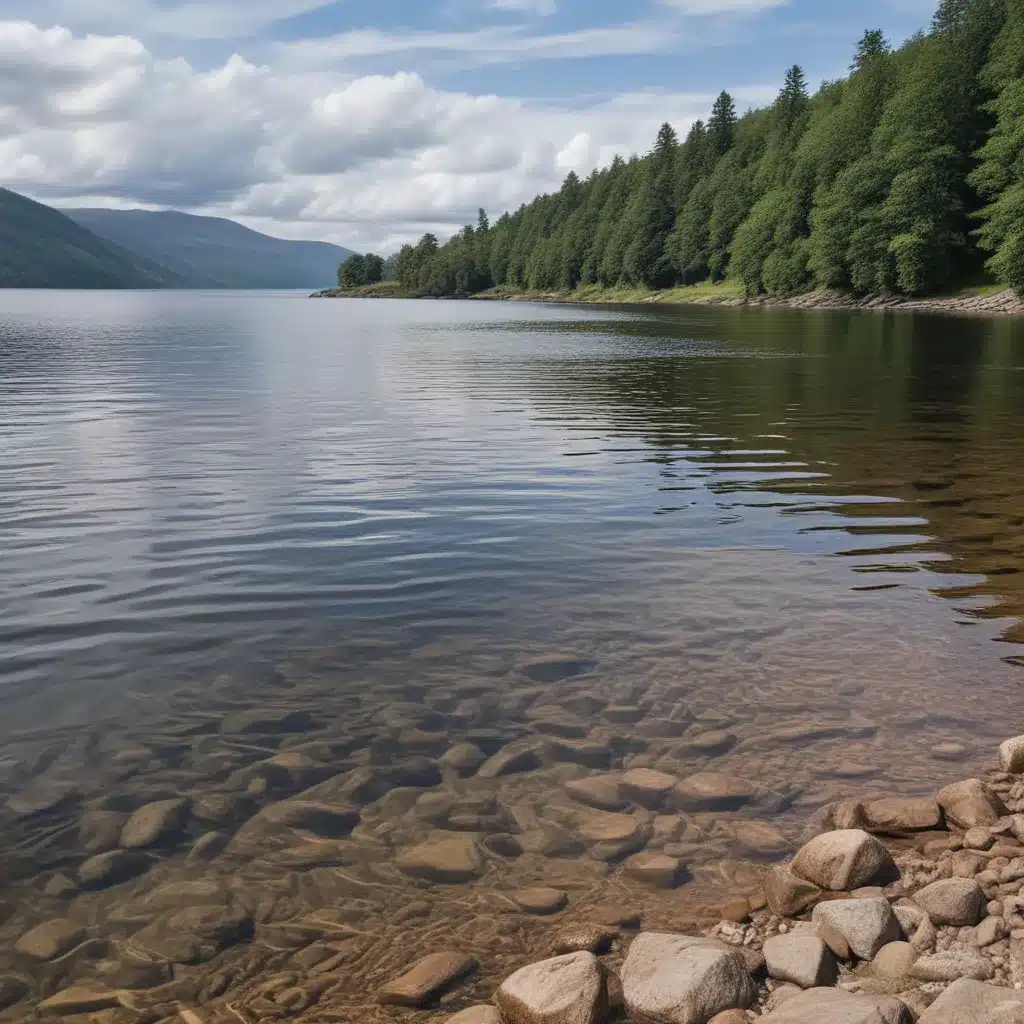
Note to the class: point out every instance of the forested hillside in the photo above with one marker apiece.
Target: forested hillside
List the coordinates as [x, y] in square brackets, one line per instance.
[42, 248]
[907, 176]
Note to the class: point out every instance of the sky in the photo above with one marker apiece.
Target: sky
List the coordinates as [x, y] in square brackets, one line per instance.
[369, 123]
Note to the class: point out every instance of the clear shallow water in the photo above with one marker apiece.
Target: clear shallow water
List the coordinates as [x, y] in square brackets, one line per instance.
[805, 529]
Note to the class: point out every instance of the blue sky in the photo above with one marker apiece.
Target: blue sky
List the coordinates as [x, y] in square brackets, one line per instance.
[369, 123]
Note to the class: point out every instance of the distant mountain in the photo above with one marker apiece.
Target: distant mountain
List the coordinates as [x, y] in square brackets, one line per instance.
[209, 252]
[42, 248]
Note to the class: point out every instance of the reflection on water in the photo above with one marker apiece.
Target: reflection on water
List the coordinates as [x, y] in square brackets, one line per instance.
[256, 547]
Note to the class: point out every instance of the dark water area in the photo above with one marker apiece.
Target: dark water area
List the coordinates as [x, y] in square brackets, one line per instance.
[782, 547]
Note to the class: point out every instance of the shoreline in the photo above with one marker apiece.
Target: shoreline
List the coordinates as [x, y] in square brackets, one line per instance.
[996, 304]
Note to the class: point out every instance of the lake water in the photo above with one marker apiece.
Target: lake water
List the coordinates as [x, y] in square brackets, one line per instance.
[256, 543]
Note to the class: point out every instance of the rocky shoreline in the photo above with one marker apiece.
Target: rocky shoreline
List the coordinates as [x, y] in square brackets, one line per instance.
[897, 910]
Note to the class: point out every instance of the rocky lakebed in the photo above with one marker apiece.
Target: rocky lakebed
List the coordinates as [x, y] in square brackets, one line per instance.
[535, 855]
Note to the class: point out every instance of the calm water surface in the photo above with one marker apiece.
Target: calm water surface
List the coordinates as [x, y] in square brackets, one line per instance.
[804, 530]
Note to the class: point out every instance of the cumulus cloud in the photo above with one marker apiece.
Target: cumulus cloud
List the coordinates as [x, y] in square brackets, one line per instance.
[369, 161]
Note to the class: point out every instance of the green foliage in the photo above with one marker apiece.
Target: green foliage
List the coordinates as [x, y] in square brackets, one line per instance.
[876, 182]
[359, 270]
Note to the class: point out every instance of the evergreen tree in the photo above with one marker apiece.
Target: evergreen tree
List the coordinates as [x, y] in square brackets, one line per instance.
[722, 125]
[999, 177]
[873, 44]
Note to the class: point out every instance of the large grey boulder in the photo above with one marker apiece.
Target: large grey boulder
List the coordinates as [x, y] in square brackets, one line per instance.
[867, 925]
[837, 1006]
[569, 989]
[677, 979]
[974, 1002]
[802, 959]
[952, 901]
[970, 803]
[844, 860]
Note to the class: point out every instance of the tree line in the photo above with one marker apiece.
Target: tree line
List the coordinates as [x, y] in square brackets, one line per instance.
[906, 176]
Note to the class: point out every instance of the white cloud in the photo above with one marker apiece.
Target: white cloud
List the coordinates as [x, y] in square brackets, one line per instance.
[544, 8]
[369, 161]
[695, 7]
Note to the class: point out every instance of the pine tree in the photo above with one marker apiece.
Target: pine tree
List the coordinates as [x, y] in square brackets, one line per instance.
[722, 125]
[873, 44]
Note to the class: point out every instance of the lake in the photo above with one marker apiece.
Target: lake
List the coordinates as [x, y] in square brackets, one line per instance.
[256, 546]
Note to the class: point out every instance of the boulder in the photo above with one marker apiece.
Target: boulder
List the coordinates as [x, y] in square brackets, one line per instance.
[837, 1006]
[844, 860]
[839, 946]
[612, 836]
[51, 939]
[952, 901]
[426, 980]
[802, 959]
[569, 989]
[646, 787]
[675, 979]
[1011, 755]
[866, 925]
[973, 1002]
[953, 964]
[713, 791]
[155, 823]
[897, 815]
[193, 935]
[970, 803]
[330, 821]
[448, 859]
[788, 895]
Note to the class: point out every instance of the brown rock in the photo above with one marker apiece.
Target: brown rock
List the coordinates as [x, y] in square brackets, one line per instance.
[79, 999]
[155, 823]
[970, 803]
[833, 939]
[584, 938]
[730, 1017]
[476, 1015]
[51, 939]
[655, 869]
[737, 910]
[429, 978]
[446, 859]
[12, 990]
[540, 900]
[646, 787]
[713, 791]
[600, 791]
[897, 815]
[788, 895]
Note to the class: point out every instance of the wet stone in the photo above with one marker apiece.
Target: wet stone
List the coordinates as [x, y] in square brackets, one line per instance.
[464, 758]
[99, 831]
[50, 940]
[193, 935]
[79, 999]
[509, 761]
[12, 990]
[599, 791]
[646, 787]
[655, 869]
[155, 823]
[447, 859]
[428, 979]
[107, 869]
[260, 721]
[540, 900]
[328, 820]
[584, 938]
[713, 791]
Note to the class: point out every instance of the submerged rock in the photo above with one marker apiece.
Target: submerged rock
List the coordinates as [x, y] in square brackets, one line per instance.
[447, 859]
[51, 939]
[155, 823]
[426, 980]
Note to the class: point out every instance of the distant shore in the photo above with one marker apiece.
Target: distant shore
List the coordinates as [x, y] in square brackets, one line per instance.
[968, 302]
